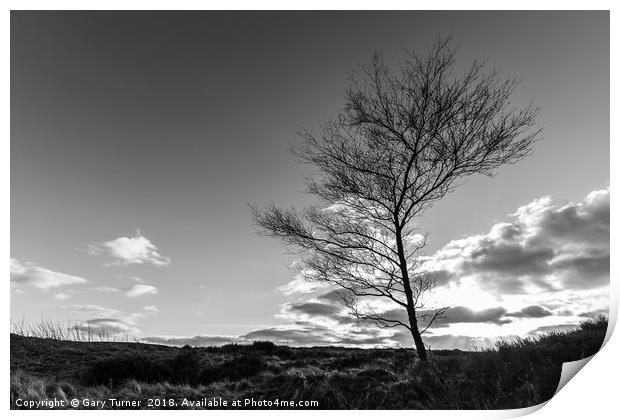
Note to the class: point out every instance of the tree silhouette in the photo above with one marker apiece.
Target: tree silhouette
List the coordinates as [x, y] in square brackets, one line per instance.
[402, 141]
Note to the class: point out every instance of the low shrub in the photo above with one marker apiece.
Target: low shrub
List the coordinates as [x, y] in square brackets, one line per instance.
[264, 346]
[186, 367]
[240, 367]
[117, 369]
[183, 368]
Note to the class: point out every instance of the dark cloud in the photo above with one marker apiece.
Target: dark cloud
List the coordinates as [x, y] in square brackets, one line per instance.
[101, 321]
[509, 232]
[513, 259]
[440, 277]
[402, 337]
[580, 222]
[584, 271]
[335, 296]
[462, 314]
[547, 246]
[293, 336]
[456, 315]
[314, 309]
[532, 311]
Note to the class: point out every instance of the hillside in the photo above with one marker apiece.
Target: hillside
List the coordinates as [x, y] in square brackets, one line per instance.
[263, 375]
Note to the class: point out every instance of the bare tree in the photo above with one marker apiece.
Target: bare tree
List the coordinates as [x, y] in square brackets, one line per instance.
[401, 143]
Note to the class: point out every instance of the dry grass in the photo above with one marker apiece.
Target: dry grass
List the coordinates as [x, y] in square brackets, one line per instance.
[67, 330]
[515, 374]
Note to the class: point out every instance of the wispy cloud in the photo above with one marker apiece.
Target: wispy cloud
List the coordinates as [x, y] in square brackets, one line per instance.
[108, 321]
[104, 327]
[300, 286]
[135, 290]
[130, 250]
[141, 290]
[30, 274]
[94, 311]
[108, 289]
[150, 310]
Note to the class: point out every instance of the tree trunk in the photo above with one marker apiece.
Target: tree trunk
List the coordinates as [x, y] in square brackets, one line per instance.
[413, 320]
[417, 337]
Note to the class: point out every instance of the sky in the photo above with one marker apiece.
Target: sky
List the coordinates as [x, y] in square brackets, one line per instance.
[138, 138]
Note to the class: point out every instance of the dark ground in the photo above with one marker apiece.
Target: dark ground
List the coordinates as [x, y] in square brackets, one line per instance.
[513, 375]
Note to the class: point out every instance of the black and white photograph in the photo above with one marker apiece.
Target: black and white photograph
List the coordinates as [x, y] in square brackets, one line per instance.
[306, 210]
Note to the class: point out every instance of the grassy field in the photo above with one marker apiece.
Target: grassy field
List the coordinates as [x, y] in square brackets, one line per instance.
[512, 375]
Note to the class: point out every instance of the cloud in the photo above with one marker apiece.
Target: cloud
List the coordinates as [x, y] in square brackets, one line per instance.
[108, 289]
[103, 321]
[576, 222]
[532, 311]
[150, 310]
[461, 314]
[314, 309]
[515, 259]
[300, 286]
[335, 296]
[141, 290]
[584, 270]
[93, 310]
[104, 327]
[29, 274]
[546, 247]
[455, 315]
[135, 290]
[130, 250]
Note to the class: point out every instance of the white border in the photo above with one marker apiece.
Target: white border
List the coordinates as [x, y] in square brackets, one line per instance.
[591, 395]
